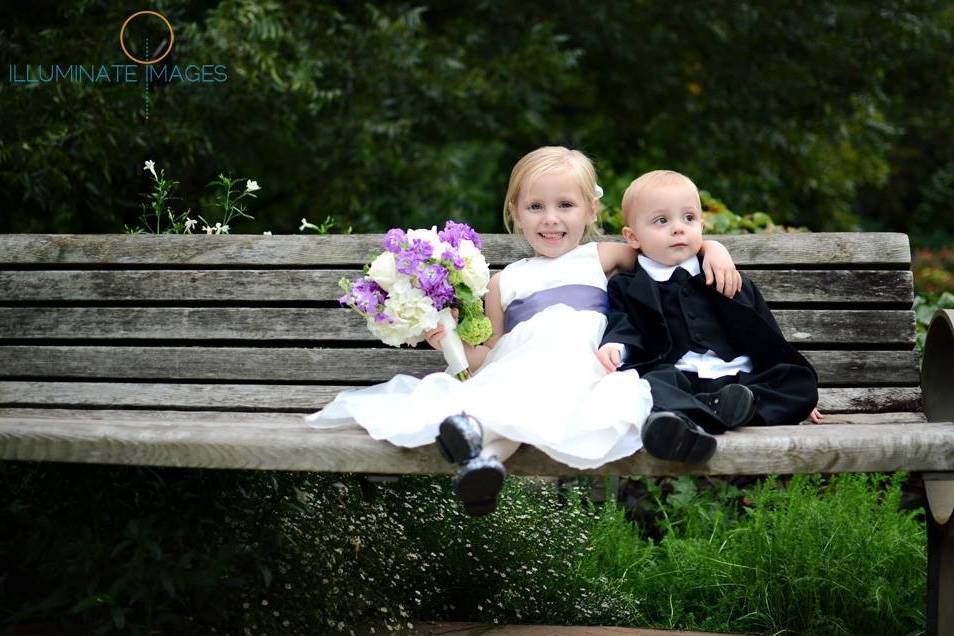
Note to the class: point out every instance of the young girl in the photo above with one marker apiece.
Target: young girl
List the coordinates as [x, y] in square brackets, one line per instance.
[537, 380]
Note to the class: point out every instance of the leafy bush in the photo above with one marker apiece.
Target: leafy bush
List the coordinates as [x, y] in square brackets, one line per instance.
[194, 551]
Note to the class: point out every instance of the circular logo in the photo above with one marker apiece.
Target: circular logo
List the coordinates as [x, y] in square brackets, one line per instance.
[122, 34]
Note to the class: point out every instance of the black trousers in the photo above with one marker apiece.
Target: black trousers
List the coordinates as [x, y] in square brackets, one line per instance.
[784, 394]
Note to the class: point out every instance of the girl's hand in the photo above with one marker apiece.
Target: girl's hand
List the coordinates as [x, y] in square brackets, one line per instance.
[719, 268]
[816, 417]
[434, 337]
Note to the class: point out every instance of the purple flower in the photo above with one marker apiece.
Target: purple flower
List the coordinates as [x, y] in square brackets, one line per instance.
[454, 258]
[366, 296]
[409, 259]
[393, 240]
[434, 283]
[454, 233]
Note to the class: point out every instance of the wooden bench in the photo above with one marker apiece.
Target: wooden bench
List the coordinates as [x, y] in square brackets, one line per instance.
[205, 351]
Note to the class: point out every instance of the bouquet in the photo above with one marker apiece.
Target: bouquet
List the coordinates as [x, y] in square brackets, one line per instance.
[412, 286]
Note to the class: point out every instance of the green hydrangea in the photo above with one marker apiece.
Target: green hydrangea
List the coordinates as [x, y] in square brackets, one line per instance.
[475, 329]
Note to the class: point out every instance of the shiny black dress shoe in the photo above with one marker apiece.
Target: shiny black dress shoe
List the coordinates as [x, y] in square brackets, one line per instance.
[459, 438]
[673, 436]
[477, 483]
[733, 403]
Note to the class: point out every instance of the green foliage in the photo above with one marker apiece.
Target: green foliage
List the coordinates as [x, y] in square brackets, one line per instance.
[176, 550]
[809, 558]
[925, 306]
[390, 115]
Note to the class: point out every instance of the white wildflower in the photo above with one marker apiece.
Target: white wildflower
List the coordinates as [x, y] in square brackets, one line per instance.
[252, 186]
[151, 167]
[207, 229]
[266, 233]
[306, 224]
[189, 224]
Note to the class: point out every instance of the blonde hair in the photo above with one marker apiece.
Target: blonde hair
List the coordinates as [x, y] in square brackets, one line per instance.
[546, 160]
[651, 179]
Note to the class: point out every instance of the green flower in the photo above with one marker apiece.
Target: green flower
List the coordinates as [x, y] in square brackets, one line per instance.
[475, 329]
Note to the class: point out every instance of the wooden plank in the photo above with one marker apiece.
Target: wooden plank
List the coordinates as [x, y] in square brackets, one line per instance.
[307, 398]
[62, 250]
[343, 366]
[859, 287]
[280, 442]
[800, 326]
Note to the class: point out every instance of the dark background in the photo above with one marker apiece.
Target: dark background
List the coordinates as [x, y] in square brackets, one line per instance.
[833, 116]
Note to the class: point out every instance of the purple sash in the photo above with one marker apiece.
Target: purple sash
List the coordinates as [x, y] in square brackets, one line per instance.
[579, 297]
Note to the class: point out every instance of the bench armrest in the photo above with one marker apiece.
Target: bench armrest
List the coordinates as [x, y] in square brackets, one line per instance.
[937, 368]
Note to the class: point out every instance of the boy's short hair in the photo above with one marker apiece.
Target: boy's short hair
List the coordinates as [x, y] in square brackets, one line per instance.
[650, 180]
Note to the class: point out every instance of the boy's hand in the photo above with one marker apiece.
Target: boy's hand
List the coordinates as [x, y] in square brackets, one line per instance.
[608, 355]
[816, 417]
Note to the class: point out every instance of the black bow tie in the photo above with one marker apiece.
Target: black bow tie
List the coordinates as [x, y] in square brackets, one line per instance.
[679, 275]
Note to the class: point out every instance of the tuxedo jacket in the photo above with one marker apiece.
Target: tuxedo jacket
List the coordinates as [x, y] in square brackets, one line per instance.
[745, 323]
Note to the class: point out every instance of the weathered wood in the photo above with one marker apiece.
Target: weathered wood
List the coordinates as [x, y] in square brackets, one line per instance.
[307, 398]
[278, 442]
[332, 365]
[859, 287]
[812, 249]
[252, 420]
[877, 327]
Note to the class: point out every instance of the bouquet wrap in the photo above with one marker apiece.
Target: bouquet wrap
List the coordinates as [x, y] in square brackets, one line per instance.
[452, 346]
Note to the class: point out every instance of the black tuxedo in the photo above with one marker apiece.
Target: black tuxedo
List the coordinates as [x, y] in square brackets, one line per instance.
[659, 322]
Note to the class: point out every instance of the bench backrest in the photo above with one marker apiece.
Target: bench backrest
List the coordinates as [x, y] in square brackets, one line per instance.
[252, 323]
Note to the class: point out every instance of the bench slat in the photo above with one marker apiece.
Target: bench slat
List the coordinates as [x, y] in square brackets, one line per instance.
[307, 398]
[296, 364]
[859, 287]
[284, 442]
[237, 250]
[876, 327]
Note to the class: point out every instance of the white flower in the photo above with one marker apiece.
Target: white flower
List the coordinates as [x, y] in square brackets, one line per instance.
[151, 167]
[306, 224]
[207, 229]
[411, 311]
[189, 224]
[252, 186]
[266, 233]
[383, 270]
[599, 192]
[476, 272]
[429, 236]
[224, 229]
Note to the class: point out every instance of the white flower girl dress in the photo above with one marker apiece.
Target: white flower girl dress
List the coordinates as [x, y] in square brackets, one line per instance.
[540, 385]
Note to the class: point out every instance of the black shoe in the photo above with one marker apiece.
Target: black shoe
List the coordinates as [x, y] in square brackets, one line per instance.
[477, 483]
[673, 436]
[733, 403]
[459, 438]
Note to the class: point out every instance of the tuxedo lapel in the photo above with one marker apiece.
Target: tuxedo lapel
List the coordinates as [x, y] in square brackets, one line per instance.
[643, 290]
